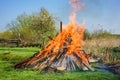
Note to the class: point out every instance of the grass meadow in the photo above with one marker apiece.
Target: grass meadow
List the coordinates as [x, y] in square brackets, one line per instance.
[10, 56]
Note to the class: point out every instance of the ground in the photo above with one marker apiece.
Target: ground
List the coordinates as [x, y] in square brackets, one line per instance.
[15, 55]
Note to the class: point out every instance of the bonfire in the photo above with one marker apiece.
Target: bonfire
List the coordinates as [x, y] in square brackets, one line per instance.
[64, 52]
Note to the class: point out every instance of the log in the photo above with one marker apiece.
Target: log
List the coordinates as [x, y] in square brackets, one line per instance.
[86, 64]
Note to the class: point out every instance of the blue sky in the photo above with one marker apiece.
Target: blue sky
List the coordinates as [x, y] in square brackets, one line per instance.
[97, 14]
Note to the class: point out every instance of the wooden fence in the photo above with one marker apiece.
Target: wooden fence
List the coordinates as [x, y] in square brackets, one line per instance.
[10, 43]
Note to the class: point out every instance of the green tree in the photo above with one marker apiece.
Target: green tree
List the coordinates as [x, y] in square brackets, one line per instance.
[35, 28]
[43, 25]
[6, 34]
[20, 28]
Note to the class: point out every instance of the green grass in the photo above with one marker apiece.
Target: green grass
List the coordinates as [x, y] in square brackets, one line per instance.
[16, 54]
[7, 72]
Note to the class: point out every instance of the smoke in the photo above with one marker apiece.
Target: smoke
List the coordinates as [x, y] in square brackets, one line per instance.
[77, 5]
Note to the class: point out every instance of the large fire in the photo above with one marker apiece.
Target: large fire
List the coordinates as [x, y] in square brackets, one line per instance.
[65, 50]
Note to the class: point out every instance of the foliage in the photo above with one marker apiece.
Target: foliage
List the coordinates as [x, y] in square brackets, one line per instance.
[116, 49]
[107, 49]
[87, 35]
[43, 25]
[19, 28]
[35, 28]
[111, 55]
[6, 34]
[100, 33]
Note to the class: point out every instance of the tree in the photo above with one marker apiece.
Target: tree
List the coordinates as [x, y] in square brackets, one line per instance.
[35, 28]
[43, 25]
[6, 34]
[20, 28]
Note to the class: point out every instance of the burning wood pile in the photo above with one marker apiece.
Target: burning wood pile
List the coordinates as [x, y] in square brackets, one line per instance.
[64, 52]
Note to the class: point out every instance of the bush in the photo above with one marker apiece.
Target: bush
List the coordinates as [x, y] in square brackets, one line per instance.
[116, 49]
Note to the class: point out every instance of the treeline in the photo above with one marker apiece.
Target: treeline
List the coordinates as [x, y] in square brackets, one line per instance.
[99, 33]
[37, 28]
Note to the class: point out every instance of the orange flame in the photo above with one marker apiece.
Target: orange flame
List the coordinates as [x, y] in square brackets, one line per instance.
[71, 37]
